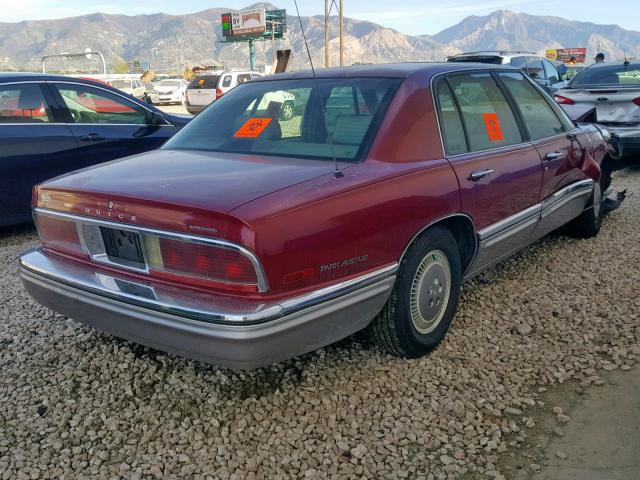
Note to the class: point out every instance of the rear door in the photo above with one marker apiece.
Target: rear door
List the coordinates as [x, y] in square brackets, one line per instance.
[107, 125]
[34, 145]
[499, 172]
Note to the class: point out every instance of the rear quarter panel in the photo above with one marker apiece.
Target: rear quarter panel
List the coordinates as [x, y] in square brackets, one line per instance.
[345, 226]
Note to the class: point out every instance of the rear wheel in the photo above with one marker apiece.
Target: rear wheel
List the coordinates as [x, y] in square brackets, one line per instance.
[588, 224]
[424, 299]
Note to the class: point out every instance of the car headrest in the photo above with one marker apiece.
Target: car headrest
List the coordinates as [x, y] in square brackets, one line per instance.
[351, 129]
[30, 98]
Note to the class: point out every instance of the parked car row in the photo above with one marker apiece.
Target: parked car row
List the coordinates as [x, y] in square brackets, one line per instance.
[364, 205]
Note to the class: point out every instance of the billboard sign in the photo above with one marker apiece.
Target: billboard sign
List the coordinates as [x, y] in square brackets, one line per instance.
[579, 55]
[248, 22]
[254, 23]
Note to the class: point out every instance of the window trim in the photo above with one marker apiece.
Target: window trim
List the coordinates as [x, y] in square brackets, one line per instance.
[492, 70]
[491, 73]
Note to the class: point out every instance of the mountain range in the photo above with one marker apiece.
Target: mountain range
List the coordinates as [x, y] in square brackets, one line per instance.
[169, 42]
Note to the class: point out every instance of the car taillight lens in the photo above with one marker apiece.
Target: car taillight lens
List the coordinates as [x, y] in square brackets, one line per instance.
[218, 93]
[58, 234]
[198, 260]
[563, 100]
[637, 101]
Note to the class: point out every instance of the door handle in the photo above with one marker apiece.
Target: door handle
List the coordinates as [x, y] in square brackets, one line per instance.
[480, 174]
[92, 137]
[549, 157]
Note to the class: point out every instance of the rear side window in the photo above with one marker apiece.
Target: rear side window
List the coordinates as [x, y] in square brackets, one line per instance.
[486, 114]
[205, 82]
[451, 124]
[551, 72]
[534, 68]
[539, 118]
[243, 77]
[22, 104]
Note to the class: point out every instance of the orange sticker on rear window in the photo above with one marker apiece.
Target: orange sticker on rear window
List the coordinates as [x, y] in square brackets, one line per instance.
[494, 129]
[252, 128]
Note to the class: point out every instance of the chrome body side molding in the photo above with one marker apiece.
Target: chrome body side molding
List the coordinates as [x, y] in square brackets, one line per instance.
[502, 239]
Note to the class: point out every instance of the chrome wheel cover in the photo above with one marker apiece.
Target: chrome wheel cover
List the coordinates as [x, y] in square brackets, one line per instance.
[430, 291]
[597, 199]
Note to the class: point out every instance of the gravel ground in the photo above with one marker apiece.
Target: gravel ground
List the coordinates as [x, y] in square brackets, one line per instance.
[76, 404]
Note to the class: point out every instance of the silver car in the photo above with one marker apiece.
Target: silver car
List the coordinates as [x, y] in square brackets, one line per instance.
[614, 90]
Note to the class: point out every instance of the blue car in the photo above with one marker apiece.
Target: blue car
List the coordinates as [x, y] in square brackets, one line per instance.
[51, 124]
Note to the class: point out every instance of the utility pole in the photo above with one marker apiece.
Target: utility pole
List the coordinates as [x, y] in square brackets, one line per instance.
[252, 54]
[341, 34]
[328, 6]
[327, 61]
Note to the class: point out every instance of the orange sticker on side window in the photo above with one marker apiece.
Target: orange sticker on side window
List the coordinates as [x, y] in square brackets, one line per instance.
[252, 128]
[494, 129]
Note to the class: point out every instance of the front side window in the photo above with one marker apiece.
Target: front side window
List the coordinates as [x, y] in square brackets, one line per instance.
[23, 104]
[452, 130]
[243, 77]
[226, 81]
[486, 114]
[287, 118]
[92, 105]
[539, 118]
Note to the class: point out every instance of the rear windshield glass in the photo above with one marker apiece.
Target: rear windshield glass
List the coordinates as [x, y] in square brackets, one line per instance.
[609, 75]
[205, 81]
[287, 118]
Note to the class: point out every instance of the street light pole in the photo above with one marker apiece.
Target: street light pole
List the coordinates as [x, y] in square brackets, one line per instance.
[252, 54]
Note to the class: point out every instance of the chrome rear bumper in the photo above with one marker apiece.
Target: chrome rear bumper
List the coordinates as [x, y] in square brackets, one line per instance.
[241, 335]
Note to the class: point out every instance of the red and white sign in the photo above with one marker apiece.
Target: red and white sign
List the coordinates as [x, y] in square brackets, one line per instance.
[248, 22]
[568, 55]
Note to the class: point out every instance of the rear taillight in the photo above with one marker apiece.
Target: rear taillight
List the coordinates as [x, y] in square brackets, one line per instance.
[58, 234]
[219, 93]
[563, 100]
[637, 101]
[206, 262]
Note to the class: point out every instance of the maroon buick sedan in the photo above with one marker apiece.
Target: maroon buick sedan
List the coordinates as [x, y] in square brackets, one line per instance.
[253, 236]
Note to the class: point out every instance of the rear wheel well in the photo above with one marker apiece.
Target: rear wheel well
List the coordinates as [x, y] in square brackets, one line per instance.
[463, 230]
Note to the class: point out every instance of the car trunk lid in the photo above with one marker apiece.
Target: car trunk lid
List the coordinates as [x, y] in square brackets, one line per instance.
[175, 189]
[614, 104]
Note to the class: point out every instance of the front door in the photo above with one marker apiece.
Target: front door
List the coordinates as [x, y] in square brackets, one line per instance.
[107, 125]
[499, 172]
[548, 129]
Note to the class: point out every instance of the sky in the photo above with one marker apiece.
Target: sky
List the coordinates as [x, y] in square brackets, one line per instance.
[413, 17]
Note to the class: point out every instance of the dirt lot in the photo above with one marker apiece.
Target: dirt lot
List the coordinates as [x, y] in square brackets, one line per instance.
[533, 339]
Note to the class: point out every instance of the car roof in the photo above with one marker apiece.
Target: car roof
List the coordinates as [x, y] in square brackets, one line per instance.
[616, 63]
[387, 70]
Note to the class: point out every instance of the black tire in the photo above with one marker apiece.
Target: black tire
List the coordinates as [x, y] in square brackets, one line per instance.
[588, 224]
[405, 331]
